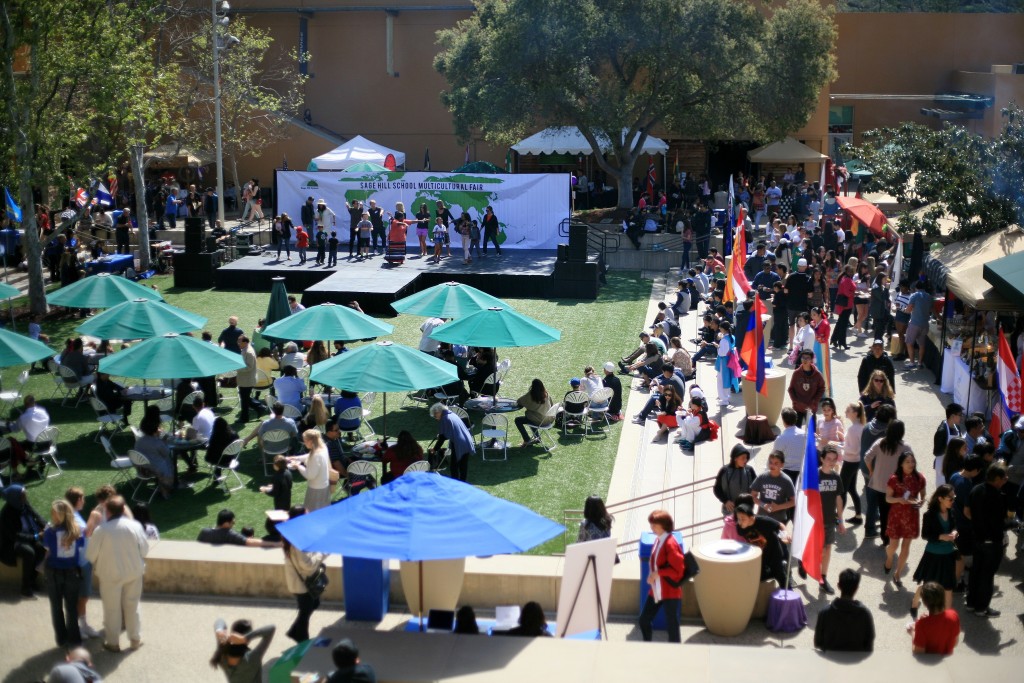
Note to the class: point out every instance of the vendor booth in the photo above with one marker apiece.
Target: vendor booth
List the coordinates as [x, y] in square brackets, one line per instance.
[354, 151]
[965, 330]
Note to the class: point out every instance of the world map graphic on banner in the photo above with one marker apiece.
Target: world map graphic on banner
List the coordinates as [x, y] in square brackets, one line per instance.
[529, 207]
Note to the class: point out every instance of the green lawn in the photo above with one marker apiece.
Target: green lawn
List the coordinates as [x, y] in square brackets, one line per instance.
[592, 332]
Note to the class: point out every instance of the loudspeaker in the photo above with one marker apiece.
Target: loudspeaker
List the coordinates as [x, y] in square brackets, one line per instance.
[195, 270]
[563, 252]
[577, 242]
[211, 244]
[194, 234]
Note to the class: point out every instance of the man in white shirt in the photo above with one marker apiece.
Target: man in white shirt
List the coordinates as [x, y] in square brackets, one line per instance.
[33, 419]
[117, 550]
[203, 421]
[792, 441]
[292, 356]
[428, 345]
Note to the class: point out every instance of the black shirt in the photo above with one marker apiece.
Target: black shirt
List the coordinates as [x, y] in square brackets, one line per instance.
[988, 507]
[229, 337]
[221, 536]
[845, 626]
[799, 286]
[764, 533]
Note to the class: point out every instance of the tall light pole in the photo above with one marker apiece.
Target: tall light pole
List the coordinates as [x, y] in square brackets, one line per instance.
[220, 18]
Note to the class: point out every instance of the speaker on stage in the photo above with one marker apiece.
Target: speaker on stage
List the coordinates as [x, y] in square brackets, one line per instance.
[194, 234]
[563, 252]
[577, 242]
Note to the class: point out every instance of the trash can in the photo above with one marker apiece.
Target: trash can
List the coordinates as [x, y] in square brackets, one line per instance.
[647, 540]
[367, 585]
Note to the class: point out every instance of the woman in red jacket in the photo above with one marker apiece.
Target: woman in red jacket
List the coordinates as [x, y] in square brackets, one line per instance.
[665, 578]
[844, 307]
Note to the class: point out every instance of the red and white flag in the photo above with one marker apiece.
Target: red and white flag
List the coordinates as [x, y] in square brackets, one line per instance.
[808, 517]
[1009, 390]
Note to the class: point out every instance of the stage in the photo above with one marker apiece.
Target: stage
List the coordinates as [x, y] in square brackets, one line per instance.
[375, 284]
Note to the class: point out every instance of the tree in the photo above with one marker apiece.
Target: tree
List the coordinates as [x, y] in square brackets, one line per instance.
[258, 90]
[976, 181]
[72, 53]
[698, 68]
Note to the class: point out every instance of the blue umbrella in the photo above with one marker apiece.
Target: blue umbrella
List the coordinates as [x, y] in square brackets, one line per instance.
[421, 516]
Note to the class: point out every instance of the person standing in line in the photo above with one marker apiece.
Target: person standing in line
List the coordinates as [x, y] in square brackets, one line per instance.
[728, 379]
[665, 578]
[491, 227]
[298, 566]
[988, 510]
[846, 625]
[938, 564]
[831, 487]
[118, 550]
[806, 387]
[65, 544]
[905, 492]
[851, 459]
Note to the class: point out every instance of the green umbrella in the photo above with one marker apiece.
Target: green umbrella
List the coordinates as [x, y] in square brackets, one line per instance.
[448, 300]
[328, 321]
[384, 366]
[479, 167]
[16, 349]
[494, 327]
[8, 291]
[365, 167]
[141, 319]
[171, 356]
[277, 308]
[101, 291]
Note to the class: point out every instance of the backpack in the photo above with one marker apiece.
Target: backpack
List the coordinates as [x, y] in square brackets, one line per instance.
[673, 329]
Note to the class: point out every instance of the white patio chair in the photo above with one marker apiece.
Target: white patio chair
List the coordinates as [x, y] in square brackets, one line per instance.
[494, 435]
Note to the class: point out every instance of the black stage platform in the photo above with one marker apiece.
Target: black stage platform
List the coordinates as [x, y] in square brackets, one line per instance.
[375, 284]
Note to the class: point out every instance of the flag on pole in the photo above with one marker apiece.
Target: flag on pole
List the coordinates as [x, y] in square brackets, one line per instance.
[426, 160]
[736, 284]
[650, 178]
[753, 348]
[112, 180]
[808, 520]
[897, 271]
[10, 207]
[508, 161]
[675, 168]
[103, 196]
[1009, 390]
[467, 154]
[729, 218]
[821, 183]
[81, 197]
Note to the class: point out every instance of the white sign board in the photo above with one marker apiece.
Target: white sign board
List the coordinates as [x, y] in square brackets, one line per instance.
[529, 207]
[578, 607]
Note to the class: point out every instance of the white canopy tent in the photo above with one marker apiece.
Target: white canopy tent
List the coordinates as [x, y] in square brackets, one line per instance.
[788, 151]
[354, 151]
[569, 140]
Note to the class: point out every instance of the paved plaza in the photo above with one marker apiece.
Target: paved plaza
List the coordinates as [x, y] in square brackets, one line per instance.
[177, 632]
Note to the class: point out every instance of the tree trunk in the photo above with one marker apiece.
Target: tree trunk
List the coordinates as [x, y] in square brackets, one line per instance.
[625, 179]
[36, 283]
[141, 213]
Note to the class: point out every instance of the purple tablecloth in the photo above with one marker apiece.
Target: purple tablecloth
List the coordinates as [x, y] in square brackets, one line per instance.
[786, 612]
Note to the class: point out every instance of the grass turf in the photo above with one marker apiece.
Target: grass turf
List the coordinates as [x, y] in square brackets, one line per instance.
[548, 483]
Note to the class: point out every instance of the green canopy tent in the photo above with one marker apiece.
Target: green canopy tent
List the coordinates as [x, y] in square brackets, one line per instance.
[384, 366]
[171, 356]
[479, 167]
[448, 300]
[141, 319]
[101, 291]
[1006, 275]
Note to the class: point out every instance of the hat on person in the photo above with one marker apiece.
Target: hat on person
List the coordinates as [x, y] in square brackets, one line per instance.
[575, 381]
[802, 263]
[321, 201]
[878, 342]
[609, 367]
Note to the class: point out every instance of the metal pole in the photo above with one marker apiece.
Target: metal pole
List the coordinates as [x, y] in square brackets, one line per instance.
[216, 112]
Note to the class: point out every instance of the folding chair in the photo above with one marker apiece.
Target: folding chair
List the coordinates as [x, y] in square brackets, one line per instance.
[598, 408]
[188, 400]
[119, 463]
[274, 442]
[166, 407]
[447, 399]
[350, 421]
[544, 429]
[367, 400]
[292, 412]
[73, 385]
[229, 463]
[143, 474]
[463, 415]
[231, 397]
[58, 381]
[494, 435]
[8, 399]
[44, 452]
[360, 468]
[418, 466]
[574, 409]
[110, 423]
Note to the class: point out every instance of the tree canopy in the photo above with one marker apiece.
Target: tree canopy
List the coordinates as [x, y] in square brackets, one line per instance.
[699, 68]
[976, 181]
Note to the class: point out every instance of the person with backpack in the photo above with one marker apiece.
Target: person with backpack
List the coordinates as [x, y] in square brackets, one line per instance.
[665, 578]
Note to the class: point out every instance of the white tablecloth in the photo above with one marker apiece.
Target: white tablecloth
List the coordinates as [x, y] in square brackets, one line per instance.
[966, 391]
[949, 361]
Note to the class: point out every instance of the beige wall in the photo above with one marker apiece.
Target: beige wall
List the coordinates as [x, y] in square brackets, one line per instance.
[351, 93]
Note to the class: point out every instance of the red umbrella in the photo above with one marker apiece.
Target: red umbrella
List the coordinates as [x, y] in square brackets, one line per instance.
[866, 213]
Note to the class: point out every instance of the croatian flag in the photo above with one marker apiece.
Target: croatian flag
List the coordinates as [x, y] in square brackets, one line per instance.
[1009, 390]
[753, 348]
[808, 521]
[650, 178]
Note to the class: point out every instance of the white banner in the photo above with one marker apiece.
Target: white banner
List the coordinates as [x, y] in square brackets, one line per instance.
[529, 207]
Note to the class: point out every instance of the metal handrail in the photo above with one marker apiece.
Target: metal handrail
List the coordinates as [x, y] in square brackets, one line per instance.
[572, 518]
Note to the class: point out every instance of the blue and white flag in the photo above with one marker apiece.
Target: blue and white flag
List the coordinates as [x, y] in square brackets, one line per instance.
[10, 207]
[103, 196]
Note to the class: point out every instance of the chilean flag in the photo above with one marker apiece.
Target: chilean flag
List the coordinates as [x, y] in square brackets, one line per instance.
[808, 521]
[753, 348]
[1009, 390]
